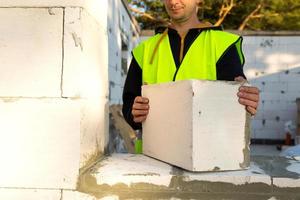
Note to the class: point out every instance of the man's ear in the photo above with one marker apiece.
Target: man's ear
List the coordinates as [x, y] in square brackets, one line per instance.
[200, 3]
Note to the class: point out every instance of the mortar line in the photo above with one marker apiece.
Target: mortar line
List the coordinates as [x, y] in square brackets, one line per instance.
[92, 192]
[63, 53]
[272, 185]
[61, 194]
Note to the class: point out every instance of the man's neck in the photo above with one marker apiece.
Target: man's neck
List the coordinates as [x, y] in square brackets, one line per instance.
[183, 27]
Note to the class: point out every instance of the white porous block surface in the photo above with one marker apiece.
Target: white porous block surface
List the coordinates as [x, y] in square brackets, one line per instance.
[286, 182]
[253, 175]
[97, 8]
[196, 125]
[93, 129]
[73, 51]
[39, 143]
[29, 194]
[31, 52]
[85, 72]
[129, 169]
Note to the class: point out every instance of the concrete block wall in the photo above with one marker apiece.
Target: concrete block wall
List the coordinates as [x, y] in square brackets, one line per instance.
[273, 65]
[125, 176]
[86, 77]
[120, 28]
[54, 94]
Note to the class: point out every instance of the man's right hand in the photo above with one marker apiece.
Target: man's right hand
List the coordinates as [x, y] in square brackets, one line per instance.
[140, 109]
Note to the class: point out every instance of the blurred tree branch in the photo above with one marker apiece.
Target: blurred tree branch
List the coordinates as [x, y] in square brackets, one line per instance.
[224, 11]
[232, 14]
[251, 15]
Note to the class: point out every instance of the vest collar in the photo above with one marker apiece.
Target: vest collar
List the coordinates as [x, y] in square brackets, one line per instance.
[164, 31]
[199, 27]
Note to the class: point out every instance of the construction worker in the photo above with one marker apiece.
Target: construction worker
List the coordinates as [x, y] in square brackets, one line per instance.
[186, 49]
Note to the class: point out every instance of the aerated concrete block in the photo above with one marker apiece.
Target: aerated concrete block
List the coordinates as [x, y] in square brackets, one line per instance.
[31, 52]
[93, 129]
[96, 8]
[197, 125]
[39, 143]
[85, 72]
[29, 194]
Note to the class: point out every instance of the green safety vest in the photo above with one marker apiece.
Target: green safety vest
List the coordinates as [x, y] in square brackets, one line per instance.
[198, 63]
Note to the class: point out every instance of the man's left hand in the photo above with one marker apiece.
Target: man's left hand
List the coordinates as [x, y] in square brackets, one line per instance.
[248, 96]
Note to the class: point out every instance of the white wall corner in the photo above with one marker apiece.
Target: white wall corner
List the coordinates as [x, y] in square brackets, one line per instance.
[85, 72]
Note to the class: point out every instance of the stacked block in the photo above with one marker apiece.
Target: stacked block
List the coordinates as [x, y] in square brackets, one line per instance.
[54, 91]
[272, 64]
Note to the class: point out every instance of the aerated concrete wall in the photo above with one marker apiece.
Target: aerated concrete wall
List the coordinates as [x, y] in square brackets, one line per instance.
[53, 91]
[273, 65]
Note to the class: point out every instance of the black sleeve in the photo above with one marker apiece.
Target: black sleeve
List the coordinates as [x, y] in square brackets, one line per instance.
[229, 65]
[132, 89]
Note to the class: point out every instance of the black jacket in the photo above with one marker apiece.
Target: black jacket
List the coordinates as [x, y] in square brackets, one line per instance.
[228, 67]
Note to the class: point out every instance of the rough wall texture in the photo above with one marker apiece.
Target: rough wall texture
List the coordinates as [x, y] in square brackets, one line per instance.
[85, 76]
[273, 65]
[31, 55]
[55, 100]
[141, 177]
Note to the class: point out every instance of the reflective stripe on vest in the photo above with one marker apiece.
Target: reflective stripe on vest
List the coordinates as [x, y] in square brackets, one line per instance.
[198, 63]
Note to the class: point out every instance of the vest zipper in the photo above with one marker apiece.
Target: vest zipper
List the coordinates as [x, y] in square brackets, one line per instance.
[181, 48]
[181, 53]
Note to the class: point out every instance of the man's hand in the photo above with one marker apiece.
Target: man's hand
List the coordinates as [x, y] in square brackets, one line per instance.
[248, 96]
[140, 109]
